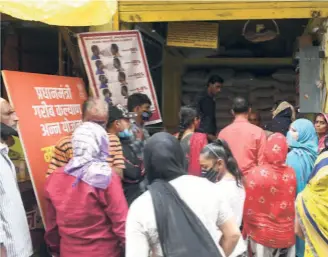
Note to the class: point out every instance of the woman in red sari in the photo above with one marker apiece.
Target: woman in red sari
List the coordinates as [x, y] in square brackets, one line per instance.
[191, 142]
[269, 210]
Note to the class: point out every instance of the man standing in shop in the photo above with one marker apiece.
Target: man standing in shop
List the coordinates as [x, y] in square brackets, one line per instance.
[247, 141]
[140, 104]
[205, 104]
[15, 239]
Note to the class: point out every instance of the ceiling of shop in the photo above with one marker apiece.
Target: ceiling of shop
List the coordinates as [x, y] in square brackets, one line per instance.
[233, 44]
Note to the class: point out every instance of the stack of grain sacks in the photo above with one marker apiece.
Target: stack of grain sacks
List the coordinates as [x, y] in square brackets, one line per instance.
[262, 92]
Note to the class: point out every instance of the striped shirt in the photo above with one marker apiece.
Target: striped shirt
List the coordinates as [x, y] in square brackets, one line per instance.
[116, 158]
[14, 231]
[63, 152]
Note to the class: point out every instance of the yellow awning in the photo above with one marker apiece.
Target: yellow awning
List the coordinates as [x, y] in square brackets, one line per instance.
[62, 12]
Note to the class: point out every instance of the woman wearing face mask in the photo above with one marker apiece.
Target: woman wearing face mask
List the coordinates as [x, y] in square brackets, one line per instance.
[303, 142]
[321, 127]
[220, 167]
[269, 211]
[179, 215]
[191, 142]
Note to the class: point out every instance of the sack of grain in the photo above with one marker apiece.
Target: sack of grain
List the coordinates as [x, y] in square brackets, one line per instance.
[262, 82]
[242, 79]
[238, 90]
[224, 114]
[225, 94]
[285, 87]
[282, 96]
[285, 75]
[226, 74]
[263, 103]
[223, 103]
[261, 92]
[195, 77]
[193, 88]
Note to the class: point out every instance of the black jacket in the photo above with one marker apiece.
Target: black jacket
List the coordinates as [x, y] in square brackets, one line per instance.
[280, 123]
[132, 174]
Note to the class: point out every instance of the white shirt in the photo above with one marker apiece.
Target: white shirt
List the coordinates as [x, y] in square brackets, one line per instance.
[201, 195]
[236, 199]
[14, 231]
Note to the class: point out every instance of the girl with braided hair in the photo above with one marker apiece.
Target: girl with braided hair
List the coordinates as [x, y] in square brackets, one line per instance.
[191, 142]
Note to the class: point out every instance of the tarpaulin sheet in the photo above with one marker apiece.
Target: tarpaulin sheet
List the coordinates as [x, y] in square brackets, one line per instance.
[62, 12]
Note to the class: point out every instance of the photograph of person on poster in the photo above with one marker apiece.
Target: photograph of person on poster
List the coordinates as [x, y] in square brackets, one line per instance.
[103, 81]
[122, 78]
[117, 64]
[95, 53]
[100, 67]
[115, 50]
[124, 91]
[107, 96]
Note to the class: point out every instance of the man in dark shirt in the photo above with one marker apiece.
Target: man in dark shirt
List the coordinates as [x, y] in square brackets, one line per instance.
[205, 104]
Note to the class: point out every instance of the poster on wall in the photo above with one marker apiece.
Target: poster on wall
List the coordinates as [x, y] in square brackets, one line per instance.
[48, 108]
[117, 67]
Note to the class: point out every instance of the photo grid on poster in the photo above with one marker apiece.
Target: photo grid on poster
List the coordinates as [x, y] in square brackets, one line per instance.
[116, 67]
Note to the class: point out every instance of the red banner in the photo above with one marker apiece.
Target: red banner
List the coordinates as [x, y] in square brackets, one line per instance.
[48, 108]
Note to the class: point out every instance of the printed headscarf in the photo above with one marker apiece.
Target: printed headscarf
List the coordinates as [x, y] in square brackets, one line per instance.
[90, 152]
[276, 150]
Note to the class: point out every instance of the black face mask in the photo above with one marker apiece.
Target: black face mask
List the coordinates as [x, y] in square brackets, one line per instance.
[7, 131]
[212, 175]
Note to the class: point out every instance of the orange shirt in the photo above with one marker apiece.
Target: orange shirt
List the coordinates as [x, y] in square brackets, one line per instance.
[63, 152]
[247, 143]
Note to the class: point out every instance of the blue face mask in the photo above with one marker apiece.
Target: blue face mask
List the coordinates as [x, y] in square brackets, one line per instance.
[146, 115]
[126, 133]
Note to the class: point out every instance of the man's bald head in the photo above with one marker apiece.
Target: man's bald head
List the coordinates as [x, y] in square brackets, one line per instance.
[96, 110]
[7, 114]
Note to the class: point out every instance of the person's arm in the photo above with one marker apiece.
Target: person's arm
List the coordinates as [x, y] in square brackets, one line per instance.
[261, 148]
[116, 207]
[230, 236]
[136, 239]
[226, 222]
[51, 236]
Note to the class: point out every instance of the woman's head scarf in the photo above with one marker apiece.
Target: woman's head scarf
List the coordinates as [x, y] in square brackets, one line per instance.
[163, 158]
[312, 211]
[276, 150]
[322, 139]
[90, 152]
[282, 107]
[307, 137]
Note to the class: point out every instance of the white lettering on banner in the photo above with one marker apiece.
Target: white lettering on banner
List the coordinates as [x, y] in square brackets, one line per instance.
[50, 129]
[65, 109]
[53, 92]
[55, 128]
[44, 110]
[69, 126]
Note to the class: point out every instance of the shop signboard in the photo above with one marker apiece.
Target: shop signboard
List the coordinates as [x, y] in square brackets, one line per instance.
[117, 67]
[193, 34]
[48, 108]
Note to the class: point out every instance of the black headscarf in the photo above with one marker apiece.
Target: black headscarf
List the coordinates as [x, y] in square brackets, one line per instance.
[163, 158]
[181, 233]
[281, 123]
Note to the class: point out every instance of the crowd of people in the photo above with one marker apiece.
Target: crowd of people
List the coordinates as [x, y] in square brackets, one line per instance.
[249, 190]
